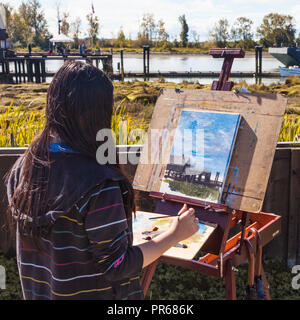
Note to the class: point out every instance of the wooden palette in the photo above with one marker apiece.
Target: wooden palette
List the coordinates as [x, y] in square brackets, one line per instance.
[145, 229]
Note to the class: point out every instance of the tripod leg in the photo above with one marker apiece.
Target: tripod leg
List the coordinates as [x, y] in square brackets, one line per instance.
[230, 282]
[147, 276]
[266, 284]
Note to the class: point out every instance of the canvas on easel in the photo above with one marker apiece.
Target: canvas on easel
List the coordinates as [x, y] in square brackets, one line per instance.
[252, 154]
[200, 155]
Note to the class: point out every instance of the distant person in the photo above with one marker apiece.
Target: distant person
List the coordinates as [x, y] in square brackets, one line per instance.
[84, 49]
[60, 50]
[29, 49]
[80, 49]
[73, 216]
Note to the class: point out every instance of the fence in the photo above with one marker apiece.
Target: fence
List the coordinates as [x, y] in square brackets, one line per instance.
[282, 197]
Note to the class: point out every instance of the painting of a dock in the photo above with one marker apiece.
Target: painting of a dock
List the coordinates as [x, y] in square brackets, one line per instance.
[200, 155]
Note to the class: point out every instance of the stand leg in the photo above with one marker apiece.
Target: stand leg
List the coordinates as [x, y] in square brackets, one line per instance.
[147, 276]
[230, 282]
[266, 284]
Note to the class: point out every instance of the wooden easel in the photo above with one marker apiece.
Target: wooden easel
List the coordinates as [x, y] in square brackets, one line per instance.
[256, 229]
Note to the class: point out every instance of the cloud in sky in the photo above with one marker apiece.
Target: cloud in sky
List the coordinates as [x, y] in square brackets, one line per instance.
[201, 15]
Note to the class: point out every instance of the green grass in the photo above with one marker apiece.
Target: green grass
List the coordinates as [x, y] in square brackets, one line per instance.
[13, 289]
[176, 283]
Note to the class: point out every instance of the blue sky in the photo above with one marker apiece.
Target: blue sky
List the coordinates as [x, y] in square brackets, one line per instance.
[219, 130]
[200, 14]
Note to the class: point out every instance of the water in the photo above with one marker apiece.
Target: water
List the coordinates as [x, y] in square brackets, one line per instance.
[184, 62]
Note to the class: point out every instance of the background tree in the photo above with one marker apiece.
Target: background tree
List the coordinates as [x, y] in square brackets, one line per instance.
[76, 31]
[121, 39]
[241, 32]
[93, 30]
[277, 30]
[147, 26]
[65, 25]
[162, 35]
[21, 34]
[184, 31]
[195, 38]
[220, 33]
[34, 18]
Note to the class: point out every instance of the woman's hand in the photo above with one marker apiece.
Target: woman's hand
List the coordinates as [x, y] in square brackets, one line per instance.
[185, 224]
[183, 227]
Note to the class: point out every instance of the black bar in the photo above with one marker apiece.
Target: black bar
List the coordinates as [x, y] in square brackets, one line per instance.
[122, 64]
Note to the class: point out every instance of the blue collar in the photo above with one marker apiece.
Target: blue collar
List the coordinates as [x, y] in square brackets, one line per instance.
[60, 148]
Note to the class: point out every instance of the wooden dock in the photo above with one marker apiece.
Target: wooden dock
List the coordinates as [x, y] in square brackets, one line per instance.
[198, 74]
[32, 68]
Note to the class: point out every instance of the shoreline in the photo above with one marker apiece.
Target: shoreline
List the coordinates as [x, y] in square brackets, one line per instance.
[139, 51]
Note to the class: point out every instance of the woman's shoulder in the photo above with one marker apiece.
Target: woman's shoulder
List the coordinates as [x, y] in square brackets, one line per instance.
[82, 166]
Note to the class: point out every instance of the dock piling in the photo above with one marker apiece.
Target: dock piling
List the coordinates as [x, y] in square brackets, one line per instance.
[146, 60]
[122, 64]
[258, 60]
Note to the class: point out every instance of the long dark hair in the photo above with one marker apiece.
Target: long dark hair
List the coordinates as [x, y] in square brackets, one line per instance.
[79, 104]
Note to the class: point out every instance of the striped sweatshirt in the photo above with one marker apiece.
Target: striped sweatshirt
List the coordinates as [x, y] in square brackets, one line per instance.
[87, 251]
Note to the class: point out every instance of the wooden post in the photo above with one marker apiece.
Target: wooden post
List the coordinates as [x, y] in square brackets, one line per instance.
[258, 60]
[144, 60]
[148, 60]
[230, 281]
[37, 72]
[122, 64]
[16, 71]
[293, 222]
[29, 70]
[228, 55]
[7, 67]
[20, 71]
[43, 67]
[23, 71]
[109, 65]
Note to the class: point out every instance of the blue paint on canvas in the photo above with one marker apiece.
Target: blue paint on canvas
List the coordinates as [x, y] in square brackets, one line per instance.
[218, 136]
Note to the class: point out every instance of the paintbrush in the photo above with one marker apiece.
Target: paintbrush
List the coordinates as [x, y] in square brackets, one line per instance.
[170, 216]
[166, 216]
[162, 217]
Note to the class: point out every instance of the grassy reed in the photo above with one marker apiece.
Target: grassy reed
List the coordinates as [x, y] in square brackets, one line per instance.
[290, 130]
[19, 127]
[127, 130]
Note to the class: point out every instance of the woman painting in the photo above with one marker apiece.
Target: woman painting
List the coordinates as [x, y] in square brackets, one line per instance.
[72, 215]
